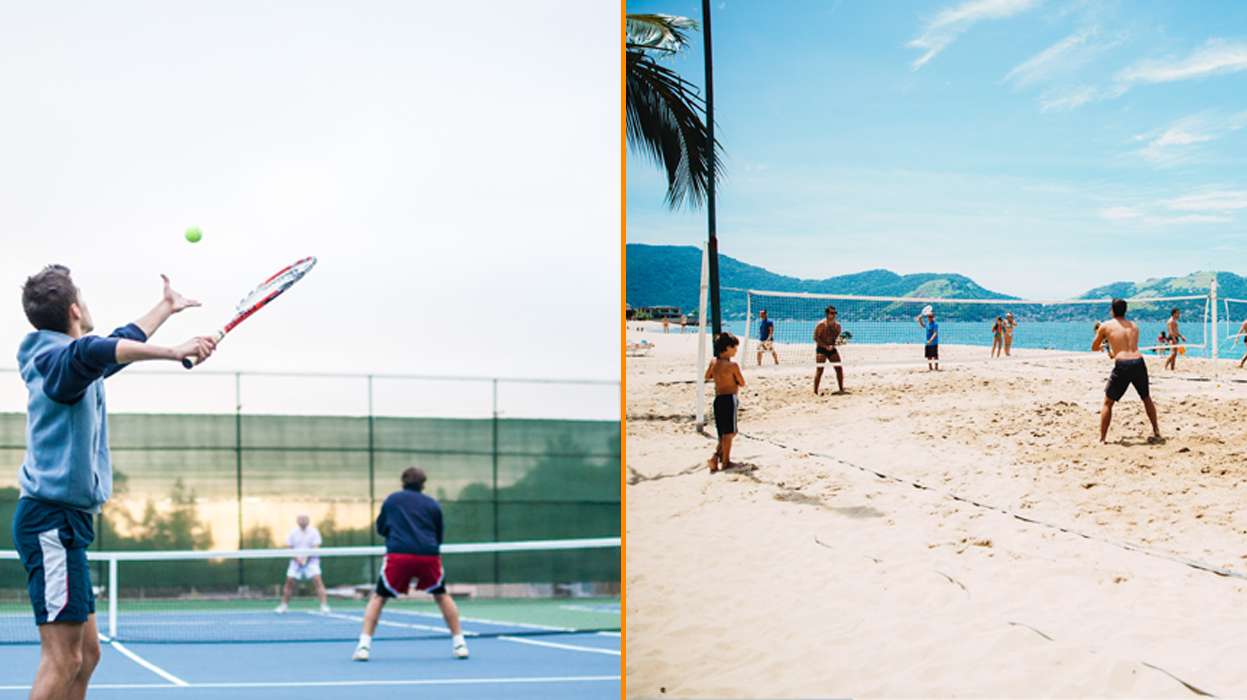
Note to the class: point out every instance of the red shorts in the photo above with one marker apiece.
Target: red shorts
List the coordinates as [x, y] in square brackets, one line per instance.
[401, 571]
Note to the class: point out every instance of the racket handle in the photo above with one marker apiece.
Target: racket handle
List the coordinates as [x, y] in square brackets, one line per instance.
[189, 363]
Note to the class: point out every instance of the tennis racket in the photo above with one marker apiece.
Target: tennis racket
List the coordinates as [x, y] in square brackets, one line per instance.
[268, 290]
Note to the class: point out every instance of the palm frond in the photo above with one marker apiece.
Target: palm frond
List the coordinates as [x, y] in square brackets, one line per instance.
[664, 123]
[657, 32]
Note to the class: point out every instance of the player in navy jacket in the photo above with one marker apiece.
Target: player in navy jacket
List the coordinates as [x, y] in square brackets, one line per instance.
[411, 524]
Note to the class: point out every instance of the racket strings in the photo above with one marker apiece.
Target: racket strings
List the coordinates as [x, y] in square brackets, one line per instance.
[278, 282]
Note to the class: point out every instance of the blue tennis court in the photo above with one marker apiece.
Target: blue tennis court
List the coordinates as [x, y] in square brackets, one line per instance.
[548, 664]
[192, 635]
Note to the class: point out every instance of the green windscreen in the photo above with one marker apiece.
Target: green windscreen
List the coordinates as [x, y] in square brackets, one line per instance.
[212, 481]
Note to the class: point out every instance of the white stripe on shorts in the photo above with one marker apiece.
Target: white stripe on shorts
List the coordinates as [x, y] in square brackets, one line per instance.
[55, 573]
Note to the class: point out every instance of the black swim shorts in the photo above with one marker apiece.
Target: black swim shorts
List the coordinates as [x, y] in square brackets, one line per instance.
[1126, 373]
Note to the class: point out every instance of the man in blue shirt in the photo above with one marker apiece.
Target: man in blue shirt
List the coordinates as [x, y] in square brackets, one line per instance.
[411, 524]
[66, 475]
[932, 351]
[766, 337]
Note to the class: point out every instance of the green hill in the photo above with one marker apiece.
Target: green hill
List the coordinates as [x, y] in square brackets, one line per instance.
[669, 275]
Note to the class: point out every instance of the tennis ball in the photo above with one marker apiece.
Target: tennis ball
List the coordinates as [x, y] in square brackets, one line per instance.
[193, 234]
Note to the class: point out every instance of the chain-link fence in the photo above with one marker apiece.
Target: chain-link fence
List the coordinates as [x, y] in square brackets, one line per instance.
[229, 460]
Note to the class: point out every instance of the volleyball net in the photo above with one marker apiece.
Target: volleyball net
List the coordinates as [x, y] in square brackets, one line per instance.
[780, 327]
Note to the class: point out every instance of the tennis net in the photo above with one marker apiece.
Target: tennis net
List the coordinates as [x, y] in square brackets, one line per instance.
[502, 588]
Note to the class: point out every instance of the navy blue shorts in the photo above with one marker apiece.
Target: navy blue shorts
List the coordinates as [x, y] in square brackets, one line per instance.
[52, 541]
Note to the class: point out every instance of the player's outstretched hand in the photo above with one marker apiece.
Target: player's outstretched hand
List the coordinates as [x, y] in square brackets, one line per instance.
[199, 347]
[176, 301]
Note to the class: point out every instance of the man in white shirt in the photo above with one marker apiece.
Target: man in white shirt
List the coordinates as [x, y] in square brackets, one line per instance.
[303, 568]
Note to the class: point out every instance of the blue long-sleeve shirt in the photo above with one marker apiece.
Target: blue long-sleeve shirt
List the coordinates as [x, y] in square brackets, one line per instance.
[411, 523]
[67, 459]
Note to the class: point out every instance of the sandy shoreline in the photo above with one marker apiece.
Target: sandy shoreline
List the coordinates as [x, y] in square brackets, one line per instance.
[806, 575]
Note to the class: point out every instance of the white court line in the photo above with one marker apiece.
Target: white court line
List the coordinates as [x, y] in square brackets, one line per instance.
[505, 638]
[390, 623]
[354, 683]
[556, 645]
[144, 662]
[106, 686]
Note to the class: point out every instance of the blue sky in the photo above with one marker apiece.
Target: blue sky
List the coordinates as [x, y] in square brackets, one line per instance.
[1041, 147]
[421, 150]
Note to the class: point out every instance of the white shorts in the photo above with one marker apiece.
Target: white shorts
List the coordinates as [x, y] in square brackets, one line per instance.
[765, 346]
[303, 573]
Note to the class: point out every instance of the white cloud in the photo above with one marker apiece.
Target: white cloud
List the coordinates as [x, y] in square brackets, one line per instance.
[1216, 56]
[1211, 200]
[1040, 66]
[1069, 99]
[951, 22]
[1179, 142]
[1207, 207]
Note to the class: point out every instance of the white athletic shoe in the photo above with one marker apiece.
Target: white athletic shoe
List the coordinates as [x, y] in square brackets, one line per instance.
[281, 609]
[324, 608]
[460, 650]
[361, 654]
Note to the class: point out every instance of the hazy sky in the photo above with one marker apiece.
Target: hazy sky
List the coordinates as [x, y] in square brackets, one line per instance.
[1042, 147]
[454, 166]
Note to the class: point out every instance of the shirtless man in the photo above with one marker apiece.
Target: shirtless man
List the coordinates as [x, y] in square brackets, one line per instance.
[1242, 333]
[1129, 367]
[826, 335]
[1175, 338]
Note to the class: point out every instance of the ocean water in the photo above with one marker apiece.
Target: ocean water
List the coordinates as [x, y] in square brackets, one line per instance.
[1042, 335]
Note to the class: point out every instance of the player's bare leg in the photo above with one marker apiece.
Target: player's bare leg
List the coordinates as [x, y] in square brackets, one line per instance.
[1150, 408]
[818, 375]
[1106, 417]
[840, 379]
[286, 591]
[321, 593]
[372, 613]
[61, 661]
[450, 612]
[726, 442]
[90, 659]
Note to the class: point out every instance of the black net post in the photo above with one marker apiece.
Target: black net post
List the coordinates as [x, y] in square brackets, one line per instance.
[494, 482]
[238, 466]
[372, 486]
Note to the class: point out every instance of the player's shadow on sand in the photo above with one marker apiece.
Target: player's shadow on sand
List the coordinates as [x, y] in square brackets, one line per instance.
[1137, 442]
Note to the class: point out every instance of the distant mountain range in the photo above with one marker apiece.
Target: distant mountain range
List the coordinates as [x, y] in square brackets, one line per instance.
[661, 275]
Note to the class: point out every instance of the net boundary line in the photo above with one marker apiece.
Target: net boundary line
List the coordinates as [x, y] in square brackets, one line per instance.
[945, 300]
[1121, 544]
[330, 552]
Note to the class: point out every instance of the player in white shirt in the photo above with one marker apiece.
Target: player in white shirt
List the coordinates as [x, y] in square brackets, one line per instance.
[303, 568]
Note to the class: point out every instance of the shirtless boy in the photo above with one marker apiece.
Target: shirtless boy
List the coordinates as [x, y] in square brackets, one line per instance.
[1129, 367]
[826, 336]
[727, 382]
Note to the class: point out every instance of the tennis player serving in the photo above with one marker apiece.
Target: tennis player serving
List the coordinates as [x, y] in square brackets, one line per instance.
[411, 524]
[66, 475]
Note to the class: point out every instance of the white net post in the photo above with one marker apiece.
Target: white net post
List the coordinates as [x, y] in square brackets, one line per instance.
[748, 321]
[699, 408]
[112, 598]
[1216, 329]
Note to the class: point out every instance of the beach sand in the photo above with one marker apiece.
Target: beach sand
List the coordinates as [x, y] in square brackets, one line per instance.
[805, 574]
